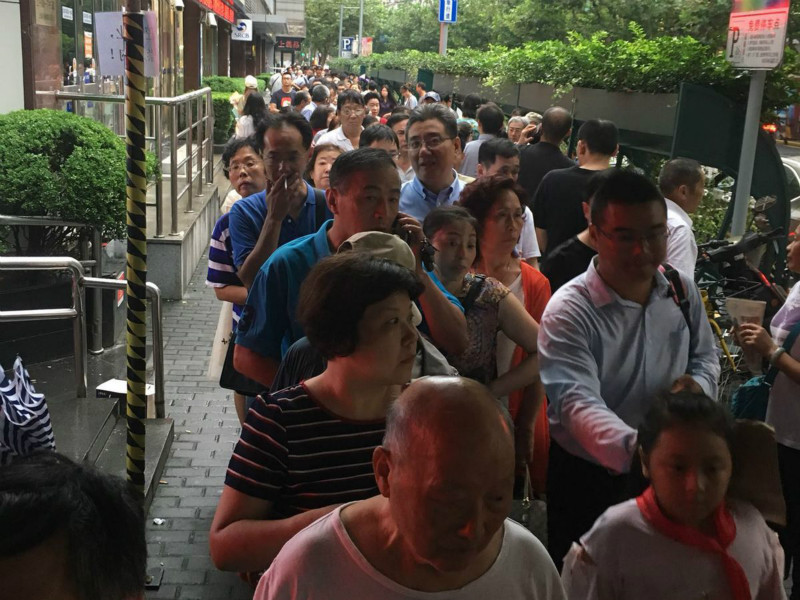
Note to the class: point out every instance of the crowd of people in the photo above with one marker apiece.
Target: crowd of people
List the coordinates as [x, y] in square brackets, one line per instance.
[436, 303]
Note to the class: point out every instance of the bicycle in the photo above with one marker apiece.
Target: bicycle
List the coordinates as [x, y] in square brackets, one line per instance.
[723, 271]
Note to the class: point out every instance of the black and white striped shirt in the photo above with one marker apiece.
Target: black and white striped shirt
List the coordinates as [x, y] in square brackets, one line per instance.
[299, 456]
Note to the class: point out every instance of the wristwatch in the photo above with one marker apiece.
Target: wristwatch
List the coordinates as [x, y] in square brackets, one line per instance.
[773, 358]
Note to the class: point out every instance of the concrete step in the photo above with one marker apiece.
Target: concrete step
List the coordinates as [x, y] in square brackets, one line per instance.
[158, 441]
[81, 426]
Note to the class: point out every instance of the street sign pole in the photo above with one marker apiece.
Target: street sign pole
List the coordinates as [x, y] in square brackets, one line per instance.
[341, 18]
[442, 38]
[756, 39]
[361, 28]
[748, 155]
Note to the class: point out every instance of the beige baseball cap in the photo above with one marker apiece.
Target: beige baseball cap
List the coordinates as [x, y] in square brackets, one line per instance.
[251, 82]
[388, 246]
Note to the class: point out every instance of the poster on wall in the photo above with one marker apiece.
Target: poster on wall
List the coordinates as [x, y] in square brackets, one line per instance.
[87, 44]
[111, 45]
[45, 13]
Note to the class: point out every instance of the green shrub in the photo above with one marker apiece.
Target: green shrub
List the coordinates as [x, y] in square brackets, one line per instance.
[218, 83]
[54, 163]
[224, 122]
[642, 64]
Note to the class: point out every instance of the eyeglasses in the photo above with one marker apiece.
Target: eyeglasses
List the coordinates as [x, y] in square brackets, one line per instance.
[353, 112]
[237, 167]
[394, 155]
[430, 142]
[627, 239]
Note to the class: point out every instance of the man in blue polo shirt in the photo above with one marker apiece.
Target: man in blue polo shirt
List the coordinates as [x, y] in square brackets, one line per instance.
[364, 195]
[432, 134]
[289, 208]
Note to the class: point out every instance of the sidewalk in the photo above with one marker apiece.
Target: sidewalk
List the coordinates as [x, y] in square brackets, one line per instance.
[206, 429]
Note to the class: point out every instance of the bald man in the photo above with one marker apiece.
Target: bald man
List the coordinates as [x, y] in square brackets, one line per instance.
[445, 473]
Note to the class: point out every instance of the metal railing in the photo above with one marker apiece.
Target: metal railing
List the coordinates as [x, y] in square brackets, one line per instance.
[198, 112]
[78, 315]
[93, 264]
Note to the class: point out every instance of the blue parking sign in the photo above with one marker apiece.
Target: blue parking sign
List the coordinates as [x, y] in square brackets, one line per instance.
[447, 11]
[347, 44]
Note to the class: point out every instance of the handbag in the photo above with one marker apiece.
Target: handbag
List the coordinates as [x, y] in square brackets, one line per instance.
[751, 399]
[24, 418]
[231, 379]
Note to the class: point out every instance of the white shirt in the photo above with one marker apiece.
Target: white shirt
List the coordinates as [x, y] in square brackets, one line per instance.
[410, 102]
[783, 410]
[336, 137]
[322, 562]
[244, 127]
[633, 561]
[681, 246]
[603, 359]
[528, 245]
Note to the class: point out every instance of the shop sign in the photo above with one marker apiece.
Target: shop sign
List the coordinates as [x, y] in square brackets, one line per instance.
[66, 13]
[288, 43]
[45, 13]
[87, 18]
[242, 30]
[220, 8]
[111, 45]
[87, 44]
[757, 33]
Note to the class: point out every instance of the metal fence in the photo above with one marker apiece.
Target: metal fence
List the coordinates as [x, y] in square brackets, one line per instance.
[77, 313]
[190, 121]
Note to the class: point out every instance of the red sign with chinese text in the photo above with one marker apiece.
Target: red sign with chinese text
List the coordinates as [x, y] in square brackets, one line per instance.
[220, 8]
[288, 43]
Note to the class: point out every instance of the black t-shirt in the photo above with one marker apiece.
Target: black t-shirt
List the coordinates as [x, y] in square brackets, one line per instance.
[566, 262]
[558, 204]
[536, 161]
[282, 99]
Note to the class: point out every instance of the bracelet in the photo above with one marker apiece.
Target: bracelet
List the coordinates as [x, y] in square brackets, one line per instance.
[773, 358]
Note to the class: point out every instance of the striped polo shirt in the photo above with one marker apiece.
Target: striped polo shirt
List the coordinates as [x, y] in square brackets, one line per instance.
[221, 270]
[299, 456]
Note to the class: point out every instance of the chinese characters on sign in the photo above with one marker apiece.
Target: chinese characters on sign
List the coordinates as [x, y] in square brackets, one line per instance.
[111, 45]
[288, 43]
[757, 33]
[220, 8]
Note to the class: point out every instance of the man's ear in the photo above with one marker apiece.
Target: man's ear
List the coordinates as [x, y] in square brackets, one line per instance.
[587, 211]
[381, 466]
[480, 171]
[616, 150]
[332, 198]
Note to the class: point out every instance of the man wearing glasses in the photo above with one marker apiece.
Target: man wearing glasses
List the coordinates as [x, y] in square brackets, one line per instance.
[611, 340]
[432, 135]
[350, 110]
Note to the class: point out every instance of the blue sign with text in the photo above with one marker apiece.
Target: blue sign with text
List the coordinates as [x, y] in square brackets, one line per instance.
[447, 11]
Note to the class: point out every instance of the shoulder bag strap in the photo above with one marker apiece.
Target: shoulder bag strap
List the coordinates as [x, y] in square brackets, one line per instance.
[794, 333]
[474, 292]
[677, 291]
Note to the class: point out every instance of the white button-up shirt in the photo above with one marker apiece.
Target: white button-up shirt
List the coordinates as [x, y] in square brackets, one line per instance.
[603, 359]
[681, 246]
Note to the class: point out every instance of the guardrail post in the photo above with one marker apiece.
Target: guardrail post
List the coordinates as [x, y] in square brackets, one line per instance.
[173, 169]
[201, 141]
[159, 190]
[210, 137]
[188, 159]
[96, 346]
[158, 347]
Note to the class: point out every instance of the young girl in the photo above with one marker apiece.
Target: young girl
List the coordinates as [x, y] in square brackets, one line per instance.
[682, 538]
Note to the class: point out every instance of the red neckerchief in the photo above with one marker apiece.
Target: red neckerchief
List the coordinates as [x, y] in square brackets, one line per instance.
[726, 533]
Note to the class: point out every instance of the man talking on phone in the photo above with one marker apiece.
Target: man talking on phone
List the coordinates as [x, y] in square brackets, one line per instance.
[364, 196]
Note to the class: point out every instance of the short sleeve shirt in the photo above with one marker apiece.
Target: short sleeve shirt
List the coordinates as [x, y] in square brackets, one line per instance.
[295, 453]
[282, 99]
[221, 270]
[269, 325]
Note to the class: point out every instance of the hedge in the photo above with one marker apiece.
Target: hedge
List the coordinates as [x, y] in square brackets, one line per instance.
[657, 65]
[218, 83]
[224, 123]
[55, 163]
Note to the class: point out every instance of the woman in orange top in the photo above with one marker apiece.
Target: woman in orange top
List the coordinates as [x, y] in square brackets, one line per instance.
[496, 204]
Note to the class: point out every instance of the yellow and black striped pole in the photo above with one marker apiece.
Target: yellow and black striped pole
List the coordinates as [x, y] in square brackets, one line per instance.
[136, 269]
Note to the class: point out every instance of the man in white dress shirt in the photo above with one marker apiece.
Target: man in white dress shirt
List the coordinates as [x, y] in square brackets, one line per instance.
[683, 183]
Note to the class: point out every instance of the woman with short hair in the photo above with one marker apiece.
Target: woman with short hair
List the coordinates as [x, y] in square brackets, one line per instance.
[305, 449]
